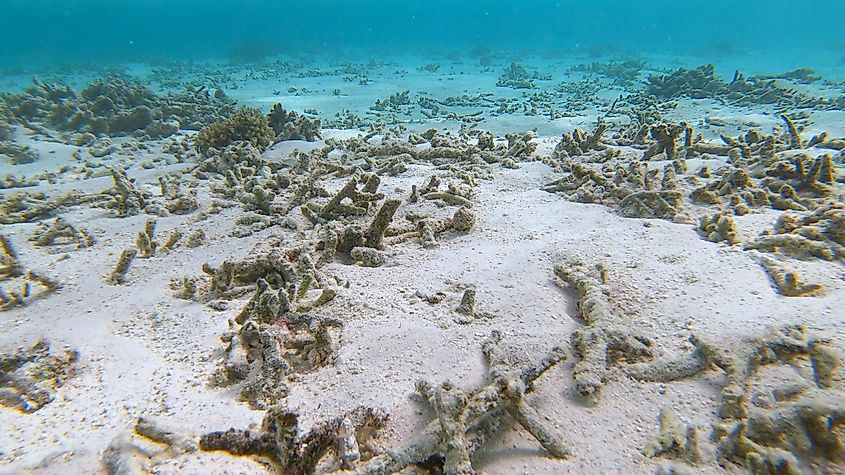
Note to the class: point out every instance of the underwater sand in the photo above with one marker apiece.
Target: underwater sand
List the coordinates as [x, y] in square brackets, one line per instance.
[144, 352]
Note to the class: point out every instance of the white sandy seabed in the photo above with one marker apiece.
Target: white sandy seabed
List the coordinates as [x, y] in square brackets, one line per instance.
[145, 353]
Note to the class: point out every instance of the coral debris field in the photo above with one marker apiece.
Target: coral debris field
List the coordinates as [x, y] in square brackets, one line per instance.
[573, 265]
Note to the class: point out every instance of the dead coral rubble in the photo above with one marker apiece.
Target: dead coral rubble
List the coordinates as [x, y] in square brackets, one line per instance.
[10, 265]
[115, 107]
[786, 282]
[289, 125]
[128, 199]
[632, 189]
[30, 377]
[606, 336]
[702, 82]
[820, 233]
[578, 143]
[262, 356]
[516, 76]
[466, 421]
[274, 335]
[118, 275]
[675, 439]
[28, 207]
[718, 228]
[338, 443]
[360, 201]
[14, 275]
[785, 430]
[246, 125]
[18, 154]
[61, 235]
[427, 229]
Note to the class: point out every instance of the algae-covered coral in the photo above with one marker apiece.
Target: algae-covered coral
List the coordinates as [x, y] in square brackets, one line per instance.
[246, 125]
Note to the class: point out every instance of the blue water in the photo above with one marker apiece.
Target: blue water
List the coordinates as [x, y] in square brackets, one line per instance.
[46, 32]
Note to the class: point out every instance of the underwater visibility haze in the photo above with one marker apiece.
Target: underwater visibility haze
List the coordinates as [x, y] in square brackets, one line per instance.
[441, 237]
[41, 32]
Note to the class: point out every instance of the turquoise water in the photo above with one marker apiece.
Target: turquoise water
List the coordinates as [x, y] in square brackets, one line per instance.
[46, 32]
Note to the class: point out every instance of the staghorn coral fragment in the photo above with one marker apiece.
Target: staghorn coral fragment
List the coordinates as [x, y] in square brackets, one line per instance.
[30, 377]
[266, 305]
[793, 245]
[349, 450]
[10, 265]
[426, 229]
[176, 199]
[292, 452]
[28, 207]
[463, 220]
[800, 183]
[172, 240]
[378, 226]
[652, 204]
[702, 82]
[49, 284]
[718, 227]
[449, 198]
[231, 162]
[678, 367]
[61, 233]
[579, 143]
[820, 233]
[484, 411]
[734, 188]
[631, 189]
[262, 356]
[448, 403]
[117, 107]
[256, 345]
[795, 140]
[336, 207]
[222, 284]
[666, 136]
[128, 201]
[826, 170]
[675, 439]
[289, 125]
[786, 435]
[195, 239]
[27, 292]
[605, 336]
[788, 438]
[18, 154]
[118, 275]
[827, 365]
[324, 296]
[145, 242]
[788, 283]
[516, 76]
[740, 362]
[133, 453]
